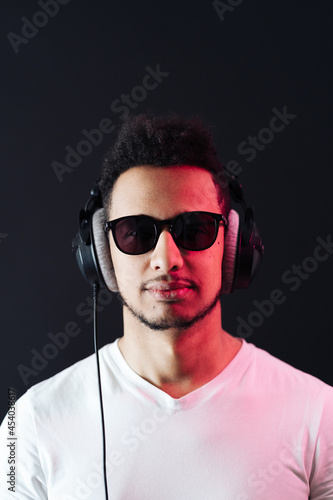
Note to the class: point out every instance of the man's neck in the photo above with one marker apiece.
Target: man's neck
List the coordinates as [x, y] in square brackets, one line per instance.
[178, 362]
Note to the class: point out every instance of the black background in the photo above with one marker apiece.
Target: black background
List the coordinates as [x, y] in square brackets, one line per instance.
[231, 71]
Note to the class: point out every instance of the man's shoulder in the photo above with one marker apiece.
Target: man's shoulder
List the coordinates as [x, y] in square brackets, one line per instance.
[280, 374]
[78, 381]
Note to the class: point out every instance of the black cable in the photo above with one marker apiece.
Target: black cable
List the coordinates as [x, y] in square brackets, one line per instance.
[95, 293]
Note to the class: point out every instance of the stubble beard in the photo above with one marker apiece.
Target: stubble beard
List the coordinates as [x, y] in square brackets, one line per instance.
[163, 324]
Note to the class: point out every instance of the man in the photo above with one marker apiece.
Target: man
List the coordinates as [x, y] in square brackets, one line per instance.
[191, 412]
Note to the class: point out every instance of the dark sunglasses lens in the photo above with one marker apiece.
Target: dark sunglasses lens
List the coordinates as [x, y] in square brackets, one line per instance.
[135, 235]
[195, 231]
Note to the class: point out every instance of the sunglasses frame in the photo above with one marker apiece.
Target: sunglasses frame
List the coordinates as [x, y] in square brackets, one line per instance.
[158, 224]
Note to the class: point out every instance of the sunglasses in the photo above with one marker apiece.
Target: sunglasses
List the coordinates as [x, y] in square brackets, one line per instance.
[138, 234]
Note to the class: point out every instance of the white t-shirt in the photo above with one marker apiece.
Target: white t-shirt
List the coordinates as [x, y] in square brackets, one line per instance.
[260, 430]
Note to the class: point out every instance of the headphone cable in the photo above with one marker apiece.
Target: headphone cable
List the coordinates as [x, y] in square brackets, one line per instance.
[95, 294]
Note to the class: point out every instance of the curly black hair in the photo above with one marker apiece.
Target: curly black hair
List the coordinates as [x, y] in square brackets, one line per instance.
[163, 141]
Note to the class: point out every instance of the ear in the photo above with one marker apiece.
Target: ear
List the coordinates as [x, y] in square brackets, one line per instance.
[231, 242]
[103, 250]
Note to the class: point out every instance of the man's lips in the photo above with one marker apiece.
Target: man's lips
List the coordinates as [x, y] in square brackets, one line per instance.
[169, 291]
[169, 286]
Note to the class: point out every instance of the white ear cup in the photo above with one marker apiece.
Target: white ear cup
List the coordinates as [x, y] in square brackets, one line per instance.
[103, 251]
[230, 252]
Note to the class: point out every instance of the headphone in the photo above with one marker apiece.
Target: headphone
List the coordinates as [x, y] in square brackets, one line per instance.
[243, 246]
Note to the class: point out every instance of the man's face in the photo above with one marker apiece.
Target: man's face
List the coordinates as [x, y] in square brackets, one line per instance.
[163, 193]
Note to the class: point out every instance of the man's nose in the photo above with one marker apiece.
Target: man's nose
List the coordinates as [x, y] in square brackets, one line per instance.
[166, 255]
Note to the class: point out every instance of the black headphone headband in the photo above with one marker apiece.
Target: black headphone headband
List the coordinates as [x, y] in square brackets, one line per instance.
[243, 249]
